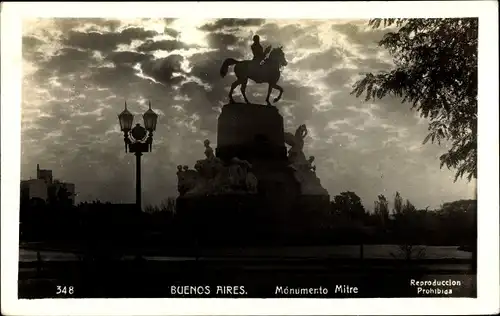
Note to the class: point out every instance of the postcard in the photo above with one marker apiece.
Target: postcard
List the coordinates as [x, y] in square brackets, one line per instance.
[250, 158]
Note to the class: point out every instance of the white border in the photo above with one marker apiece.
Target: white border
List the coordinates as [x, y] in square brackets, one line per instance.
[488, 219]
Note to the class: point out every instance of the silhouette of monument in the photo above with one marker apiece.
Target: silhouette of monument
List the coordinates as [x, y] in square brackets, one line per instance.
[260, 70]
[252, 189]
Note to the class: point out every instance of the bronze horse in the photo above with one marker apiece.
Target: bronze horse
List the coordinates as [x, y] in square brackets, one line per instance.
[269, 72]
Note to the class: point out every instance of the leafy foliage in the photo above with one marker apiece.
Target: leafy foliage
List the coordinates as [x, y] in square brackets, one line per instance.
[398, 204]
[58, 196]
[349, 204]
[382, 209]
[407, 226]
[99, 226]
[436, 71]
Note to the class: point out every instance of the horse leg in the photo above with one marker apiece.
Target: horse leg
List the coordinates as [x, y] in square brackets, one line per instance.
[243, 90]
[233, 86]
[269, 89]
[280, 89]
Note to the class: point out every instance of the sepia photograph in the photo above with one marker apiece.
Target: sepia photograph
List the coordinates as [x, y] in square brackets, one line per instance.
[173, 157]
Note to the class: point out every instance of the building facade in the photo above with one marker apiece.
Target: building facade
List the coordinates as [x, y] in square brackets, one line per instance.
[34, 189]
[44, 186]
[44, 174]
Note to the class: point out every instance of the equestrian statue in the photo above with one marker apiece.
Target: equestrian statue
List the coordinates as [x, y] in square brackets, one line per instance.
[260, 69]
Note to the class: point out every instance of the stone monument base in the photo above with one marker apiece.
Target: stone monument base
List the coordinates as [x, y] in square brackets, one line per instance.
[250, 131]
[251, 191]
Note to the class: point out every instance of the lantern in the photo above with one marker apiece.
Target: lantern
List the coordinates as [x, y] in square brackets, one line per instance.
[150, 119]
[126, 119]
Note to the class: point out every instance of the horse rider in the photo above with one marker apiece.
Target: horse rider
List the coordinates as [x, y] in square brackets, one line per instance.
[259, 54]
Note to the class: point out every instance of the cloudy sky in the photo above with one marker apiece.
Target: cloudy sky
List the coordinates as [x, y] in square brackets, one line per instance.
[78, 73]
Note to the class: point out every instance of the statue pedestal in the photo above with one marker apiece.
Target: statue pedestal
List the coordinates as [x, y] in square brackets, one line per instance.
[277, 204]
[250, 132]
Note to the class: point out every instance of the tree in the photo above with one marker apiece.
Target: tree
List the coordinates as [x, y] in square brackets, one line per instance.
[382, 209]
[409, 207]
[459, 220]
[398, 204]
[64, 196]
[52, 195]
[406, 219]
[349, 204]
[436, 71]
[408, 230]
[171, 205]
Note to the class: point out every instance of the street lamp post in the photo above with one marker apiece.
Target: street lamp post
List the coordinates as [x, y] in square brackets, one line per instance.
[138, 140]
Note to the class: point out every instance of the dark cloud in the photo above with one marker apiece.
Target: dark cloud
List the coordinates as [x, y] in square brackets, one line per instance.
[125, 81]
[221, 40]
[129, 58]
[92, 41]
[114, 77]
[171, 32]
[30, 46]
[166, 45]
[201, 102]
[31, 43]
[132, 33]
[169, 20]
[66, 24]
[300, 100]
[206, 66]
[105, 42]
[222, 24]
[299, 94]
[66, 61]
[61, 111]
[33, 56]
[163, 70]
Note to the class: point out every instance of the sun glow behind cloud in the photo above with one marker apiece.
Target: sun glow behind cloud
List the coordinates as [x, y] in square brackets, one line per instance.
[189, 31]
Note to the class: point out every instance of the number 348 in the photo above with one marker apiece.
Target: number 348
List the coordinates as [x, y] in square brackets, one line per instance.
[65, 290]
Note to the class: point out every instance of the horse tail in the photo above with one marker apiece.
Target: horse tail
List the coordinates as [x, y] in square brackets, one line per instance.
[225, 66]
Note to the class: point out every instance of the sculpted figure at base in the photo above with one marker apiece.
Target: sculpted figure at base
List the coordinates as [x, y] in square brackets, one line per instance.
[209, 152]
[304, 170]
[311, 166]
[251, 182]
[296, 142]
[237, 173]
[212, 177]
[187, 180]
[241, 176]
